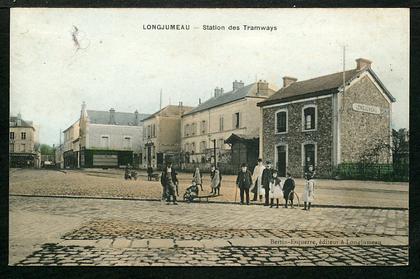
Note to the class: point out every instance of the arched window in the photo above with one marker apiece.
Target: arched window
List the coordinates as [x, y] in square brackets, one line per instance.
[309, 117]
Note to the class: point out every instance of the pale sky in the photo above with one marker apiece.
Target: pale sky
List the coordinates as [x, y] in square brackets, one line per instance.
[120, 65]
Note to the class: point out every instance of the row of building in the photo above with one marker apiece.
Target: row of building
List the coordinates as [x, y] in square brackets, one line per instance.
[322, 122]
[23, 143]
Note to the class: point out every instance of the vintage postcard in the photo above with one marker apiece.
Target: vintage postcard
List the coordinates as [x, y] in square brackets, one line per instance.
[209, 137]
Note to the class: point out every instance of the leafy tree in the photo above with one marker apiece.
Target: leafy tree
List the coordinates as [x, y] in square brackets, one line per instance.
[47, 149]
[400, 146]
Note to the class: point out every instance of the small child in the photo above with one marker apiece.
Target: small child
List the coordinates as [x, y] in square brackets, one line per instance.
[275, 189]
[308, 192]
[191, 192]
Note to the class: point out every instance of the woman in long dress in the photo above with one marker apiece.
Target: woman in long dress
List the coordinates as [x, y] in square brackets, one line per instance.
[257, 188]
[198, 178]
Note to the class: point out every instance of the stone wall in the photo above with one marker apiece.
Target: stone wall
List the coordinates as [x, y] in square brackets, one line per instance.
[295, 137]
[360, 131]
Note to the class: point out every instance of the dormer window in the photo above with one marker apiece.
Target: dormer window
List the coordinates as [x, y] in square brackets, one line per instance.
[309, 118]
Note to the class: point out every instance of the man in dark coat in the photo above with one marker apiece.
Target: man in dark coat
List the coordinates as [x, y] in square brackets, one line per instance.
[266, 177]
[288, 187]
[149, 172]
[169, 183]
[244, 182]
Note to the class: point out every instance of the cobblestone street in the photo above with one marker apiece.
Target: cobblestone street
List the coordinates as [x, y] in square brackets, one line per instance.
[68, 231]
[110, 184]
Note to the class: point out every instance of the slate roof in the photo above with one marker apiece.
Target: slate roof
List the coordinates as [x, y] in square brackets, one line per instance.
[171, 110]
[318, 86]
[121, 118]
[24, 123]
[227, 97]
[238, 137]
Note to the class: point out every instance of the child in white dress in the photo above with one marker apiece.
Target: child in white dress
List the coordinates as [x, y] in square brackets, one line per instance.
[275, 189]
[308, 193]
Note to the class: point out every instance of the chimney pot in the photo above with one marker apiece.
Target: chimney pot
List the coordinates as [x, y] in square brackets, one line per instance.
[363, 63]
[288, 80]
[237, 85]
[112, 116]
[218, 91]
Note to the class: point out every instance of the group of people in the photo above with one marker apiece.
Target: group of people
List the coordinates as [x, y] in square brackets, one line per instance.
[169, 182]
[265, 182]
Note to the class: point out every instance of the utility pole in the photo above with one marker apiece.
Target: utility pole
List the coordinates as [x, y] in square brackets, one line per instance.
[160, 103]
[344, 68]
[214, 152]
[344, 76]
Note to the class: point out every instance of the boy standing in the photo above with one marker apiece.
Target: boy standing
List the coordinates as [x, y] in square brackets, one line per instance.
[289, 187]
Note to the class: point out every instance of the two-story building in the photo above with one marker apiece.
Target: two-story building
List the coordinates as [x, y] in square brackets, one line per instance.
[326, 121]
[206, 127]
[110, 138]
[71, 146]
[162, 135]
[23, 143]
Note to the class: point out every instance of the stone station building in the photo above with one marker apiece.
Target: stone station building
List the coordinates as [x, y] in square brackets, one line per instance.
[316, 122]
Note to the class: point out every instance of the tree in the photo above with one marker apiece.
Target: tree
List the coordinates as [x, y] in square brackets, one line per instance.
[46, 149]
[400, 146]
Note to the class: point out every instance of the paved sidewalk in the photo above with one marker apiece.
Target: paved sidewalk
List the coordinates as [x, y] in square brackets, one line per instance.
[53, 231]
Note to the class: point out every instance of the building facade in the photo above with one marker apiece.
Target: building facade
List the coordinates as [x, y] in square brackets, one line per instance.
[322, 123]
[110, 138]
[23, 143]
[71, 146]
[207, 127]
[162, 135]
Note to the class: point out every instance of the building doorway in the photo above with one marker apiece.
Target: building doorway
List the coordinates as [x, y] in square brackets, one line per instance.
[281, 160]
[309, 155]
[149, 155]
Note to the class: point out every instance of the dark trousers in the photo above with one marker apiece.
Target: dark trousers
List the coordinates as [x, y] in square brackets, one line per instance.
[170, 191]
[246, 191]
[267, 192]
[272, 202]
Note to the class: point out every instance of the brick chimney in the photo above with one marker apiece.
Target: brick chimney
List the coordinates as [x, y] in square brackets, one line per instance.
[288, 80]
[136, 118]
[262, 88]
[363, 63]
[237, 85]
[218, 91]
[112, 116]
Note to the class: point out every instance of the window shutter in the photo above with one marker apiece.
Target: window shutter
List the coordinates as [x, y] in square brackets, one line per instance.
[233, 120]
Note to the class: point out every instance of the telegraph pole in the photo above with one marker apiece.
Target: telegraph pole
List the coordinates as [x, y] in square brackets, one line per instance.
[160, 104]
[214, 152]
[344, 68]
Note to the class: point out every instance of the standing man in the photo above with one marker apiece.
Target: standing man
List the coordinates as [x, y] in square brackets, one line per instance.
[244, 182]
[257, 178]
[289, 187]
[267, 175]
[149, 172]
[169, 183]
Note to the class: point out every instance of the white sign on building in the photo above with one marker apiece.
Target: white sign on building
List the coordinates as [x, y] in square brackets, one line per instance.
[366, 108]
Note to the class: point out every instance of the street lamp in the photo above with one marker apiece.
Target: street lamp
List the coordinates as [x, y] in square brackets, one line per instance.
[214, 149]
